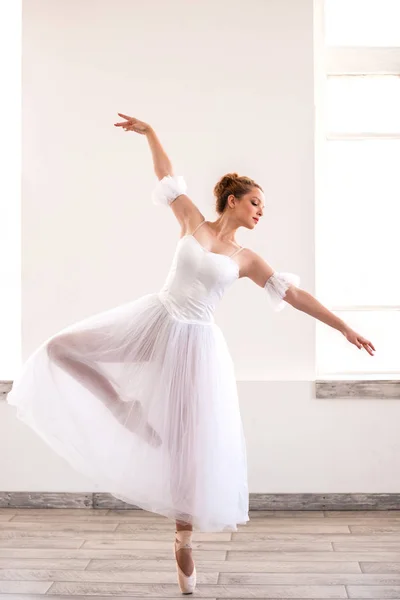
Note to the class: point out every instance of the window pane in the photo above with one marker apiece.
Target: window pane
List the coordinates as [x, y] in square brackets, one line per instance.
[362, 22]
[363, 104]
[357, 235]
[336, 354]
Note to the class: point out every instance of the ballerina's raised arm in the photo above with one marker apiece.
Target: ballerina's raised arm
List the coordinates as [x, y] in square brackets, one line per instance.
[173, 187]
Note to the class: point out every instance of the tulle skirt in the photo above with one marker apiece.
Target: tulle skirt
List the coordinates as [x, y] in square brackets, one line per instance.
[146, 405]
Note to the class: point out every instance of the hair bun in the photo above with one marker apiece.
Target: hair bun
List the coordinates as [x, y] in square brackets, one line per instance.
[224, 183]
[229, 178]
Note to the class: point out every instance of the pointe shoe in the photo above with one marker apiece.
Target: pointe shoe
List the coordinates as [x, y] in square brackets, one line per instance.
[187, 583]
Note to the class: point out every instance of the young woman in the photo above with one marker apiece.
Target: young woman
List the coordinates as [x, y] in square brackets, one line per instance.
[142, 398]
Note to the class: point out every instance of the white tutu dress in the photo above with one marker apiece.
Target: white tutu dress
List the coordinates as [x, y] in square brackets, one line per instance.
[173, 442]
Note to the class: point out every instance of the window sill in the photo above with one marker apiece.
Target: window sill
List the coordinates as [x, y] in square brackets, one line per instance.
[347, 386]
[5, 387]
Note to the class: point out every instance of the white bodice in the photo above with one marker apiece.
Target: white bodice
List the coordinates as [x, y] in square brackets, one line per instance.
[197, 281]
[199, 277]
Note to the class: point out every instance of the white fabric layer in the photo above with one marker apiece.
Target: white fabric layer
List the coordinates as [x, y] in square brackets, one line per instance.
[168, 189]
[142, 398]
[276, 287]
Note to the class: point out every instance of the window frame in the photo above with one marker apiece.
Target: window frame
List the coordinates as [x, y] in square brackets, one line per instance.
[345, 61]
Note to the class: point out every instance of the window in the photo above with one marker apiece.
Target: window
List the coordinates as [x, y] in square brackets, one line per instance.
[358, 205]
[363, 23]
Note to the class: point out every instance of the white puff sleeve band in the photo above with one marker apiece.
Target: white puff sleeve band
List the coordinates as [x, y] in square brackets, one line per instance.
[276, 287]
[168, 189]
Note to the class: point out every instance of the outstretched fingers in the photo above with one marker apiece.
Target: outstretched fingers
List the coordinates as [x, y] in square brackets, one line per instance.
[369, 347]
[125, 116]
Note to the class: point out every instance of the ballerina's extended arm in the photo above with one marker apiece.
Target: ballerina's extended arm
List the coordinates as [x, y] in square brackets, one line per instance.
[283, 287]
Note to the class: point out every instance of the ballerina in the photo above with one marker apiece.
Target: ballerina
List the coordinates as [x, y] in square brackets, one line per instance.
[142, 398]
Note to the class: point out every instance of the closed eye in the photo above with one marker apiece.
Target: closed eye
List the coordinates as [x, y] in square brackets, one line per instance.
[256, 204]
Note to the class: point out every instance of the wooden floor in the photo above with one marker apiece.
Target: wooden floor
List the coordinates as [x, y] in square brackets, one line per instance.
[277, 555]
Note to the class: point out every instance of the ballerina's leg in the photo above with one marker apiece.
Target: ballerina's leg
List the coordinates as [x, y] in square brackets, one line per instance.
[182, 485]
[63, 351]
[181, 442]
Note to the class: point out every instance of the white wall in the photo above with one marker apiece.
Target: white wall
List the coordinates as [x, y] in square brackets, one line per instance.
[228, 85]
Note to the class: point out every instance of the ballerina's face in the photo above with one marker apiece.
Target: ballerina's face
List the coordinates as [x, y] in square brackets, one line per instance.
[250, 208]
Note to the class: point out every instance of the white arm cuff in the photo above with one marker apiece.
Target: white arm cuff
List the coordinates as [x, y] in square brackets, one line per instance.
[168, 189]
[276, 287]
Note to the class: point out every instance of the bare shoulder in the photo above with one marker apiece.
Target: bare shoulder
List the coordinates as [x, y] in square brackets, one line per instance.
[255, 267]
[187, 213]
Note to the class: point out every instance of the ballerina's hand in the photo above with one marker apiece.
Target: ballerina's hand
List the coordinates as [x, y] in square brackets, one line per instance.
[132, 124]
[358, 340]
